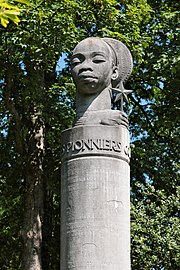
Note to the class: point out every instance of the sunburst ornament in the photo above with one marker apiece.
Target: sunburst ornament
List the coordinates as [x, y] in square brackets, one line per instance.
[121, 95]
[124, 64]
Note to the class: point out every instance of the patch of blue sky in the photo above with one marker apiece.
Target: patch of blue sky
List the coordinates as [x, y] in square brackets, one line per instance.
[61, 63]
[139, 137]
[22, 65]
[4, 126]
[147, 179]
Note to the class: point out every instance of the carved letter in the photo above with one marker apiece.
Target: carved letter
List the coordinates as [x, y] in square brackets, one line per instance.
[87, 144]
[116, 146]
[96, 144]
[107, 145]
[78, 145]
[63, 149]
[127, 151]
[69, 146]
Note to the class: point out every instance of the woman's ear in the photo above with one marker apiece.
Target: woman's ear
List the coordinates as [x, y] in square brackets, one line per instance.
[115, 73]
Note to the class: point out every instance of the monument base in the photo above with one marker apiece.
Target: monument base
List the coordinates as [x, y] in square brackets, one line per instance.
[95, 213]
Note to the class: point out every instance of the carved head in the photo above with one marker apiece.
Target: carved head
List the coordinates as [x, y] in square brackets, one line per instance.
[93, 66]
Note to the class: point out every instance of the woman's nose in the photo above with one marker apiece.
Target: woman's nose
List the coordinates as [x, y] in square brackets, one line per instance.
[86, 65]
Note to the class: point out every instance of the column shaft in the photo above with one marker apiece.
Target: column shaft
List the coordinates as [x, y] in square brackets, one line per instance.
[95, 213]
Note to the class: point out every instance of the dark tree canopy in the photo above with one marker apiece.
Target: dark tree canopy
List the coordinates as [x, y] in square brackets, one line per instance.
[37, 102]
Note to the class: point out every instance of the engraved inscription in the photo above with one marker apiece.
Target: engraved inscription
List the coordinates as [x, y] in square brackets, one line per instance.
[91, 144]
[127, 151]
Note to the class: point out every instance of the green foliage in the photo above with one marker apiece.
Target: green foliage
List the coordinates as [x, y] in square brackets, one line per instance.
[10, 221]
[10, 12]
[29, 79]
[155, 229]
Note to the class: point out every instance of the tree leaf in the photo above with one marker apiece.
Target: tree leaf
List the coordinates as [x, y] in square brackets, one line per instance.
[14, 12]
[4, 21]
[23, 2]
[8, 6]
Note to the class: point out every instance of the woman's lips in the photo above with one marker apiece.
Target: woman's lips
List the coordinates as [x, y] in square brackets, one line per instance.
[87, 77]
[87, 74]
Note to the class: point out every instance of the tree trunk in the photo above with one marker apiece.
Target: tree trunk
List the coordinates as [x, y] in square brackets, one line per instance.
[31, 151]
[47, 229]
[34, 196]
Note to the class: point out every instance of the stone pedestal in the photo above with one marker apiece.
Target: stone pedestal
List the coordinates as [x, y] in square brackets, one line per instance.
[95, 212]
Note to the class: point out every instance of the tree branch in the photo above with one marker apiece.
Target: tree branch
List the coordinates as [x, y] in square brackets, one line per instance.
[147, 118]
[12, 109]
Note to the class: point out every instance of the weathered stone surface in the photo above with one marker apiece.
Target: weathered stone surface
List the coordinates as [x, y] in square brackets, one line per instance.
[99, 68]
[95, 199]
[108, 141]
[95, 189]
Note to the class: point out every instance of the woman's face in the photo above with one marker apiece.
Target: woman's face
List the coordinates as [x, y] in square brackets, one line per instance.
[92, 66]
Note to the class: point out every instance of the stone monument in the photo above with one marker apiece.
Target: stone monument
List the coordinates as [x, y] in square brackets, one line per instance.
[95, 187]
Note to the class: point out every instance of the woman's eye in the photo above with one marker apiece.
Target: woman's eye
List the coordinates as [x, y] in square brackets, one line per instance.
[98, 60]
[75, 61]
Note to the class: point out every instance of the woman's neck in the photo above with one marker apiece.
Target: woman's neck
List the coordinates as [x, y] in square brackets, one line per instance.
[96, 102]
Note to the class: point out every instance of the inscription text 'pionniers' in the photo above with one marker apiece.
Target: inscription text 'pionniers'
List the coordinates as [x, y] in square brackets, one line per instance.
[90, 144]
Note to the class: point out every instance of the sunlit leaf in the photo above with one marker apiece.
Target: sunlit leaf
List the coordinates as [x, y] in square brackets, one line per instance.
[14, 12]
[23, 2]
[4, 21]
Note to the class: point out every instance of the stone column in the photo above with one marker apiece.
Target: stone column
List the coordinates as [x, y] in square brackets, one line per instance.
[95, 199]
[95, 196]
